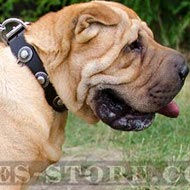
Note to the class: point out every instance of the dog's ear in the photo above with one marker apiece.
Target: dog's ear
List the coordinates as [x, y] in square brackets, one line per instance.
[91, 18]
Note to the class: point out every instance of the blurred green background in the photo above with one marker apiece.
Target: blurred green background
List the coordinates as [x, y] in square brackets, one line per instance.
[170, 20]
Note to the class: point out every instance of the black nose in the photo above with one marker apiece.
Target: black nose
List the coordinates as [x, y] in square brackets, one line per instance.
[183, 72]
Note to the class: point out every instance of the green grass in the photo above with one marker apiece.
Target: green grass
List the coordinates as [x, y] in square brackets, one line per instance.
[166, 139]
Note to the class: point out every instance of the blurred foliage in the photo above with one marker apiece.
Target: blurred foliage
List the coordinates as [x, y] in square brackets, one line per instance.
[169, 20]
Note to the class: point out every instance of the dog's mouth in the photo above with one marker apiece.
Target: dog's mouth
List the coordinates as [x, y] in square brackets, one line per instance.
[115, 112]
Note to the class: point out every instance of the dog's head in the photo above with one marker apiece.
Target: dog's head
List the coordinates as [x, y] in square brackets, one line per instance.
[114, 70]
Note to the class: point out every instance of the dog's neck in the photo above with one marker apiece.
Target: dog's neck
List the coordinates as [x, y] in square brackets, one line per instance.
[54, 50]
[48, 43]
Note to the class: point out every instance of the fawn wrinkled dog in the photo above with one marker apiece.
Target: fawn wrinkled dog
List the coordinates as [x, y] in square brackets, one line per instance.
[105, 65]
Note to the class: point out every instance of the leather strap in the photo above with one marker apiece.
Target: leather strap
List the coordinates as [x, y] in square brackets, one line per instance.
[27, 55]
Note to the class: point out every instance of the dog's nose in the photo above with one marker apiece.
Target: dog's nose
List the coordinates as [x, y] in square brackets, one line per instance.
[181, 66]
[183, 72]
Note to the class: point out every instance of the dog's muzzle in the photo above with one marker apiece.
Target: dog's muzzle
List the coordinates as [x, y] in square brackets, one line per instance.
[118, 114]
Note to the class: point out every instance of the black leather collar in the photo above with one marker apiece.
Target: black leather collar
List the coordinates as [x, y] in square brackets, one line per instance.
[27, 55]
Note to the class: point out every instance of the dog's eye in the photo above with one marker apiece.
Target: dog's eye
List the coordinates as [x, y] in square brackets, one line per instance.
[134, 46]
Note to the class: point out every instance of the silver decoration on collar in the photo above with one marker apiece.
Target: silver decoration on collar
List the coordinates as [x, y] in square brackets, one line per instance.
[6, 34]
[42, 78]
[57, 102]
[25, 54]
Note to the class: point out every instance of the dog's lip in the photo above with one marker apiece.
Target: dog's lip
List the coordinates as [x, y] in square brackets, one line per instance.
[115, 112]
[133, 122]
[130, 120]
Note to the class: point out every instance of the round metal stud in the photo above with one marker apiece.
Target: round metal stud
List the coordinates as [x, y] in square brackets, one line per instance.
[42, 78]
[25, 54]
[57, 102]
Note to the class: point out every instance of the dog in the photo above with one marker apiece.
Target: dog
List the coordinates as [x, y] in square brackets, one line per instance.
[104, 64]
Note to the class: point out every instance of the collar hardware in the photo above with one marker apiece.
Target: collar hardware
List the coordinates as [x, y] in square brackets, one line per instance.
[42, 78]
[27, 55]
[5, 34]
[57, 102]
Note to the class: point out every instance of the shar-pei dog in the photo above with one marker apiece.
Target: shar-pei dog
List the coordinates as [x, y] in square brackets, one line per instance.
[104, 64]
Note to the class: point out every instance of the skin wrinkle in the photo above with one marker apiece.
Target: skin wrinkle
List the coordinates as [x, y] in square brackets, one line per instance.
[159, 64]
[152, 73]
[143, 53]
[94, 56]
[123, 34]
[146, 81]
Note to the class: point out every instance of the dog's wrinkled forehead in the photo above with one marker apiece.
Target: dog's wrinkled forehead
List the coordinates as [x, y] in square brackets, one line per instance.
[127, 31]
[131, 17]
